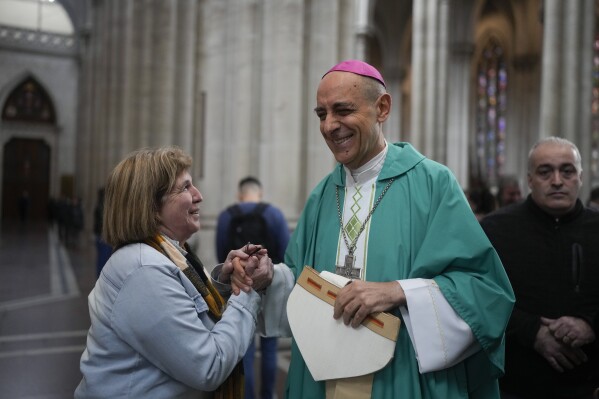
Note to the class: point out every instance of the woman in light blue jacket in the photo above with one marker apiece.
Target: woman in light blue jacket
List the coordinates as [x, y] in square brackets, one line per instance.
[159, 328]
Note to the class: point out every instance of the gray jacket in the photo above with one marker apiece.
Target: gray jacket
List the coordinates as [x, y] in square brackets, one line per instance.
[151, 335]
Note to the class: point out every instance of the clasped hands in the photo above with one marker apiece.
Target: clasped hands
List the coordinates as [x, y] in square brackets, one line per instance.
[247, 268]
[559, 341]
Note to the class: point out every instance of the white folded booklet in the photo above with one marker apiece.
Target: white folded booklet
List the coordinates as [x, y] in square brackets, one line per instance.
[331, 349]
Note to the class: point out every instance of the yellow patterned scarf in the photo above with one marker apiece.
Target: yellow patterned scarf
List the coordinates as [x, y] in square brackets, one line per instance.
[233, 386]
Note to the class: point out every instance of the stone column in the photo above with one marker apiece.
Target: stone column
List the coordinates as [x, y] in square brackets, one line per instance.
[567, 67]
[321, 54]
[582, 117]
[522, 116]
[429, 91]
[99, 101]
[184, 74]
[141, 73]
[83, 144]
[116, 77]
[439, 75]
[394, 75]
[164, 45]
[98, 95]
[138, 82]
[459, 115]
[282, 130]
[550, 88]
[362, 28]
[577, 59]
[459, 99]
[231, 43]
[128, 130]
[567, 63]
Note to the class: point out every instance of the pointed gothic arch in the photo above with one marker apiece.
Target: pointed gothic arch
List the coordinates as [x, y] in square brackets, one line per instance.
[29, 102]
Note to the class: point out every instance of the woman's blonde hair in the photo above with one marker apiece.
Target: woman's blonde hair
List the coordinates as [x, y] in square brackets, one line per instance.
[135, 192]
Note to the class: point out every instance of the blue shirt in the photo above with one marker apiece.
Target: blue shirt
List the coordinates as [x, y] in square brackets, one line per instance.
[151, 335]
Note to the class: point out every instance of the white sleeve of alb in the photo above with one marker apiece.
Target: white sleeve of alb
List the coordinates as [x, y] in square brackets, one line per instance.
[441, 338]
[272, 320]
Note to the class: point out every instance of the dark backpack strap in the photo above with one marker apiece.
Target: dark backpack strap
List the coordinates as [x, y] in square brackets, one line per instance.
[260, 208]
[235, 210]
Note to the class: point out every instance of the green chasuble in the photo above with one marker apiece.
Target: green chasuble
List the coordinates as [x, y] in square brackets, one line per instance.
[423, 228]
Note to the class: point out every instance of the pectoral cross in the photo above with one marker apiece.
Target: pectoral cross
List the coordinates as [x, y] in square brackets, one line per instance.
[348, 269]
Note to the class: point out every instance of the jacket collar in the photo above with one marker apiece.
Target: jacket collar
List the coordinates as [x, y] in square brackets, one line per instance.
[536, 210]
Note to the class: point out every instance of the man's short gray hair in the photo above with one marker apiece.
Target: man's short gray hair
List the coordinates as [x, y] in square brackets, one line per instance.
[556, 141]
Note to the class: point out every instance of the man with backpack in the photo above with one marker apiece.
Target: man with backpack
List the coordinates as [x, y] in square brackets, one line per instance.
[251, 220]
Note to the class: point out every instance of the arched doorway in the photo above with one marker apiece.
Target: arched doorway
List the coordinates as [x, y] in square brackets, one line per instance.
[26, 167]
[25, 179]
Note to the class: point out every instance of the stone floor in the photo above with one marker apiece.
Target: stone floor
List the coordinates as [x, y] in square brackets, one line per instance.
[43, 313]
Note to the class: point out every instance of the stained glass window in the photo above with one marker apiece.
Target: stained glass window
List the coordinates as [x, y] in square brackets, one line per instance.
[490, 114]
[595, 116]
[29, 102]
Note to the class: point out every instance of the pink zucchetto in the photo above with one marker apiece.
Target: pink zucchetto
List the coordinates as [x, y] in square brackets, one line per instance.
[359, 68]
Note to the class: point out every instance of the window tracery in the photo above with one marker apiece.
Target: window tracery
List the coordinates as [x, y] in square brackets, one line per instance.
[491, 113]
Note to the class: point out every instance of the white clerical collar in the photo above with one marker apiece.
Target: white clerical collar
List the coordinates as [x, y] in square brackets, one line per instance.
[366, 172]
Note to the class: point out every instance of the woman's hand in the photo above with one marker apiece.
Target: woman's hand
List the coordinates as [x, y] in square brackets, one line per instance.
[231, 272]
[253, 269]
[239, 267]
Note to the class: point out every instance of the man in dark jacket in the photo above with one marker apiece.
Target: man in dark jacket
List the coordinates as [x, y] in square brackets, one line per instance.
[549, 246]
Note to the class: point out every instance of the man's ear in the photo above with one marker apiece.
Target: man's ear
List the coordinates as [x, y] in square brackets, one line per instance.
[383, 107]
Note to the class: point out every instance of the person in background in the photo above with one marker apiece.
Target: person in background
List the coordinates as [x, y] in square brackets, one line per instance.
[159, 327]
[548, 246]
[400, 227]
[75, 222]
[481, 200]
[52, 212]
[63, 206]
[251, 220]
[593, 201]
[508, 191]
[24, 205]
[103, 250]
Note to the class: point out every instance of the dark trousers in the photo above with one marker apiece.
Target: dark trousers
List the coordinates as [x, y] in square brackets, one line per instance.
[505, 395]
[268, 368]
[103, 252]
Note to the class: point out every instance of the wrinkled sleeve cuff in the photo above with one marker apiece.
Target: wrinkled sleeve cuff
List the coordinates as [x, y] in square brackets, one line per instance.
[272, 321]
[223, 289]
[440, 337]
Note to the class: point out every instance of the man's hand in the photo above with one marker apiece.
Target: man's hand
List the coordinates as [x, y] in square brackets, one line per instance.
[262, 275]
[357, 300]
[246, 268]
[559, 355]
[572, 331]
[235, 273]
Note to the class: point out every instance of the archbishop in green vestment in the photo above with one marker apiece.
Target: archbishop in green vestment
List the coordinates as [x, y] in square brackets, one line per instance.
[423, 228]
